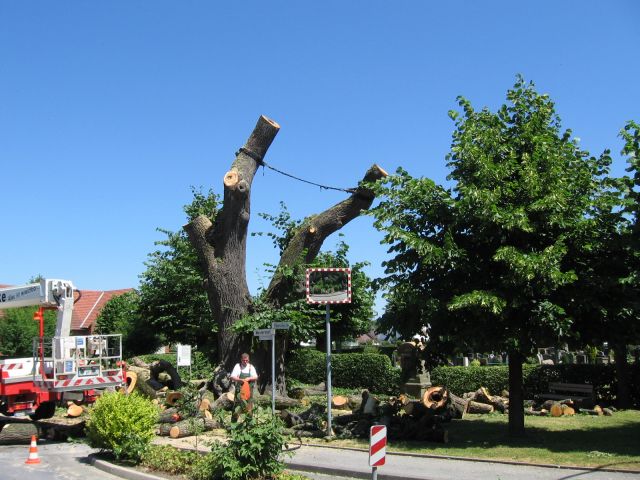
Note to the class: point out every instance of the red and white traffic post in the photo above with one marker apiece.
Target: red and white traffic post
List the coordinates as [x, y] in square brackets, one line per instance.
[377, 448]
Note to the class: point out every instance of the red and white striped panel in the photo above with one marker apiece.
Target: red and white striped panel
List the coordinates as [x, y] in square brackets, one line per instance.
[329, 302]
[83, 382]
[377, 445]
[16, 368]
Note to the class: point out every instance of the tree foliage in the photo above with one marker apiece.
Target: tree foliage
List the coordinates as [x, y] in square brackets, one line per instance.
[483, 263]
[18, 329]
[121, 315]
[172, 298]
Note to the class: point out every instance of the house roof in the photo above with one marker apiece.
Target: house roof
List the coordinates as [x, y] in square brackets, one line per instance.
[87, 306]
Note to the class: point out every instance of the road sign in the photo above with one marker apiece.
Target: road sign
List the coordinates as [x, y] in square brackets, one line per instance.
[264, 332]
[281, 325]
[265, 337]
[377, 445]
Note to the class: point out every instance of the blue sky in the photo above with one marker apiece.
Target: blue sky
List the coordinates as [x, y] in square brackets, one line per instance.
[111, 111]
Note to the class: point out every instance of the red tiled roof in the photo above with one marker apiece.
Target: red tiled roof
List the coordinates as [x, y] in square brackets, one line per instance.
[88, 306]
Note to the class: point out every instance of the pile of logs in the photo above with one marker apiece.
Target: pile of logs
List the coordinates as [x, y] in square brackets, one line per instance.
[560, 408]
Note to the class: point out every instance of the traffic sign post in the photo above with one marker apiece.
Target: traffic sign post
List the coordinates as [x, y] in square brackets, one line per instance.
[270, 334]
[377, 448]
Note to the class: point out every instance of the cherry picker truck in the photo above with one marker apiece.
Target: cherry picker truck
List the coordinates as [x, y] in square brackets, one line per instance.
[80, 365]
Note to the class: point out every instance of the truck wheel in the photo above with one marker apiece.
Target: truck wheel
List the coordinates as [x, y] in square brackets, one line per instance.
[44, 410]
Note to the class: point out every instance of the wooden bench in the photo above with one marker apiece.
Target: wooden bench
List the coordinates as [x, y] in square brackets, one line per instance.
[566, 391]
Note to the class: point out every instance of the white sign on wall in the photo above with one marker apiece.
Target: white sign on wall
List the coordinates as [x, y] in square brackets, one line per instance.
[184, 355]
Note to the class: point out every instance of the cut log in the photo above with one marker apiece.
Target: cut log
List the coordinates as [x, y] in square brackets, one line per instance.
[186, 428]
[139, 363]
[457, 406]
[18, 433]
[74, 410]
[132, 379]
[607, 412]
[415, 408]
[535, 413]
[170, 415]
[223, 402]
[556, 410]
[435, 397]
[482, 396]
[477, 407]
[142, 381]
[340, 402]
[172, 398]
[369, 405]
[567, 410]
[205, 405]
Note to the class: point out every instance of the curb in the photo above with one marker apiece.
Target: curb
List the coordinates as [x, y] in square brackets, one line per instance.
[119, 471]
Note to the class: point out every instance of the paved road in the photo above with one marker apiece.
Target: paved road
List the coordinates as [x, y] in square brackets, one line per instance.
[59, 461]
[355, 464]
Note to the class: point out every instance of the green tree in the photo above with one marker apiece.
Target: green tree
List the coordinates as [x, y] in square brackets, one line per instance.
[121, 314]
[172, 297]
[604, 300]
[483, 263]
[18, 329]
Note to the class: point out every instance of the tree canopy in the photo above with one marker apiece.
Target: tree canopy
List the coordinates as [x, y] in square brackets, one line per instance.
[483, 263]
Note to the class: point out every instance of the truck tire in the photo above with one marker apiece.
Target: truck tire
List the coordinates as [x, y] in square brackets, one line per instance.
[44, 410]
[163, 366]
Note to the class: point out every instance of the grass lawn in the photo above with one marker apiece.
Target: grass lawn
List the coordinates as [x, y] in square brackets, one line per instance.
[582, 440]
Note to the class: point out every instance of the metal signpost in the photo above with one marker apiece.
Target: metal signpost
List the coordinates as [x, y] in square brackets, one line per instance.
[270, 334]
[326, 286]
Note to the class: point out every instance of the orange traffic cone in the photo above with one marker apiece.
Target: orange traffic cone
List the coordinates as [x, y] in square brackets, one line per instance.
[33, 452]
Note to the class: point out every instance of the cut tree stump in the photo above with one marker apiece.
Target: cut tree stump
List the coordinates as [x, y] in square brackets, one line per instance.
[172, 398]
[340, 402]
[435, 398]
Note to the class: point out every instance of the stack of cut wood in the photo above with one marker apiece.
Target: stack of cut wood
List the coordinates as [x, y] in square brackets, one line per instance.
[559, 408]
[481, 401]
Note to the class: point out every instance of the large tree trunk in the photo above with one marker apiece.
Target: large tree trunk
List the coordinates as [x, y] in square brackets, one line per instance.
[221, 245]
[623, 397]
[516, 395]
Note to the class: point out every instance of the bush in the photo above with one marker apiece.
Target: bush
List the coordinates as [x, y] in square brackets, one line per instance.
[348, 370]
[122, 424]
[253, 451]
[168, 459]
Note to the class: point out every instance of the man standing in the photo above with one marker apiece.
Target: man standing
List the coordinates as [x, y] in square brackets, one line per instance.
[244, 375]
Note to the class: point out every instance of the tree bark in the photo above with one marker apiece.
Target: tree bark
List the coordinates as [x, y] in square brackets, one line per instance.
[221, 245]
[623, 396]
[516, 395]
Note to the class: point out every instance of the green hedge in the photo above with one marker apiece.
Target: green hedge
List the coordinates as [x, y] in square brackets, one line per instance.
[348, 370]
[536, 378]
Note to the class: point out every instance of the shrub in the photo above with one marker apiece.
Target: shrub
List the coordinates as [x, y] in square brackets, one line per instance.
[348, 370]
[122, 424]
[253, 451]
[165, 458]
